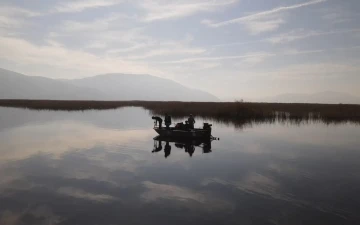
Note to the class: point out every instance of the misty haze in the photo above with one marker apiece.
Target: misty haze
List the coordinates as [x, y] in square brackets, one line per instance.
[179, 112]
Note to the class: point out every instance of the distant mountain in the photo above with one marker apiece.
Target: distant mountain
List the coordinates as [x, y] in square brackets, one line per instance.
[102, 87]
[18, 86]
[329, 97]
[142, 87]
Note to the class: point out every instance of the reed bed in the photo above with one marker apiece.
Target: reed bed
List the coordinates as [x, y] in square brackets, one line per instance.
[224, 111]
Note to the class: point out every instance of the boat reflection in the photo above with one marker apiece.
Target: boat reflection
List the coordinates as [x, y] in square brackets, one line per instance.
[187, 145]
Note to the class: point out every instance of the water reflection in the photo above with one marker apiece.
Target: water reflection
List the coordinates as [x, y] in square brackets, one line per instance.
[90, 168]
[188, 145]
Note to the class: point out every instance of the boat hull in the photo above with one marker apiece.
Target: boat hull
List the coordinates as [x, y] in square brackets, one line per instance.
[172, 132]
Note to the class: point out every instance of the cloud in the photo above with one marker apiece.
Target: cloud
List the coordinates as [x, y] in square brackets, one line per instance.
[105, 36]
[264, 21]
[291, 36]
[256, 26]
[38, 213]
[311, 70]
[164, 191]
[87, 136]
[128, 49]
[238, 43]
[257, 58]
[113, 33]
[260, 26]
[17, 11]
[156, 192]
[301, 52]
[155, 48]
[101, 24]
[338, 15]
[145, 47]
[301, 34]
[176, 50]
[254, 60]
[253, 183]
[81, 194]
[219, 58]
[125, 45]
[8, 22]
[169, 9]
[14, 17]
[55, 56]
[249, 58]
[79, 6]
[261, 15]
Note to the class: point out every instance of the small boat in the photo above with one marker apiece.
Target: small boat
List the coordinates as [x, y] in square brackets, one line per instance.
[193, 133]
[180, 131]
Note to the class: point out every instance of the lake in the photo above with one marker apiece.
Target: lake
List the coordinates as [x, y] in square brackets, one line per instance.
[104, 168]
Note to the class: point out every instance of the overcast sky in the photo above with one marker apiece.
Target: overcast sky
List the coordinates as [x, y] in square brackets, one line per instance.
[231, 48]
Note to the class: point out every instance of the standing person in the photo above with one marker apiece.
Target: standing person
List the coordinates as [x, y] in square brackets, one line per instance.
[167, 121]
[191, 121]
[157, 120]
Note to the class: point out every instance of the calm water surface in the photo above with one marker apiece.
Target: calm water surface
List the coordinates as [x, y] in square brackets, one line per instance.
[104, 168]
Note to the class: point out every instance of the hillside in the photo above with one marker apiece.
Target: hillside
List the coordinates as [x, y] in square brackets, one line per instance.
[102, 87]
[142, 87]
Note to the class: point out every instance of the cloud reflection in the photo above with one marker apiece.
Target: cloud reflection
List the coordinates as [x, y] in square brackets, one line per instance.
[76, 172]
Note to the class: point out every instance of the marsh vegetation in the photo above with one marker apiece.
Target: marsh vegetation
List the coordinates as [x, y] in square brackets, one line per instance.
[221, 111]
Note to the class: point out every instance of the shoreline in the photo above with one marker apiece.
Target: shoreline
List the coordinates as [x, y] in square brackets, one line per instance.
[217, 110]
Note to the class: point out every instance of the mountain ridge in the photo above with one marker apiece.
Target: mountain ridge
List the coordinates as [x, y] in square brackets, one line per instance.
[109, 86]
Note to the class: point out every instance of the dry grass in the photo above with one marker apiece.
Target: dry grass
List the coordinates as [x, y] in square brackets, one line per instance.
[224, 111]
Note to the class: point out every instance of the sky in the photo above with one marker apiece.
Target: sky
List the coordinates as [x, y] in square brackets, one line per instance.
[231, 48]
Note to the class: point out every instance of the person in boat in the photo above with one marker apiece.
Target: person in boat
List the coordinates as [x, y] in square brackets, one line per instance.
[157, 120]
[187, 126]
[180, 126]
[191, 121]
[167, 121]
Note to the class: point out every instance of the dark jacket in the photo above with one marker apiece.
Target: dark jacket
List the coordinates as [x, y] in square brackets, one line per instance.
[168, 119]
[191, 120]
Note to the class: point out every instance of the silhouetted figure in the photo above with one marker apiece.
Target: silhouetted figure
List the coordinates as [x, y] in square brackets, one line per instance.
[180, 126]
[167, 149]
[187, 126]
[157, 120]
[167, 121]
[157, 148]
[191, 121]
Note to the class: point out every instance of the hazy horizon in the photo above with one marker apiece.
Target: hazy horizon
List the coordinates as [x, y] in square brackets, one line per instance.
[121, 84]
[230, 48]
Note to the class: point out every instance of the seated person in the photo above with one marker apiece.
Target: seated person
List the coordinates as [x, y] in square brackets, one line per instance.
[180, 126]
